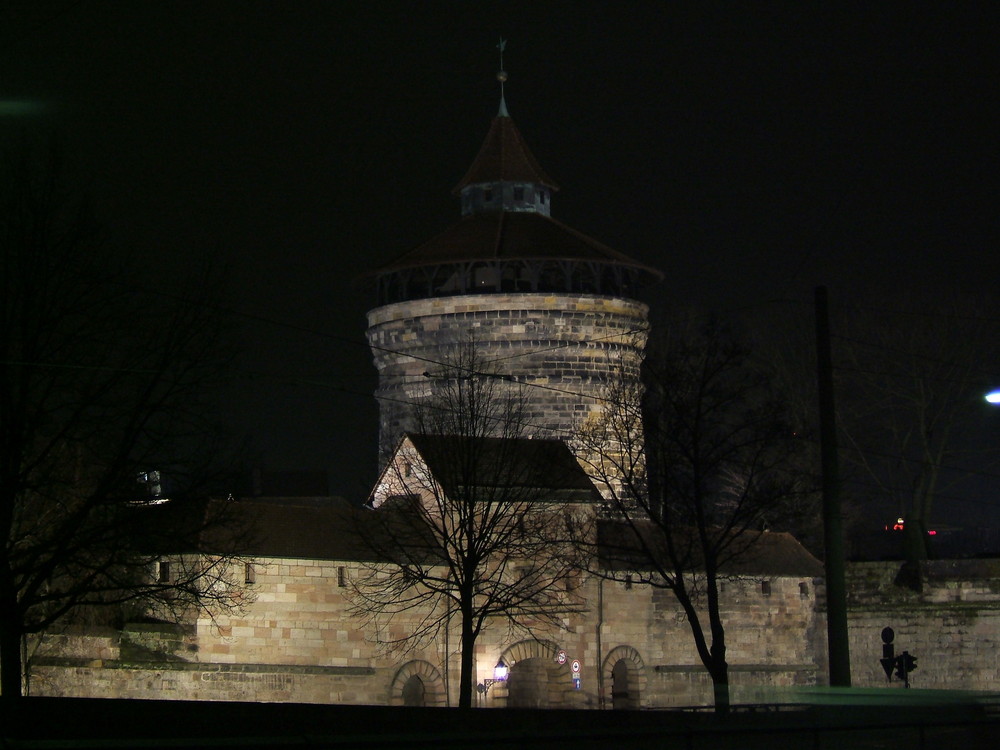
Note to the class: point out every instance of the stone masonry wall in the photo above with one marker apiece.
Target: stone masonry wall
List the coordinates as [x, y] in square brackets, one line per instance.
[296, 641]
[952, 624]
[571, 344]
[299, 642]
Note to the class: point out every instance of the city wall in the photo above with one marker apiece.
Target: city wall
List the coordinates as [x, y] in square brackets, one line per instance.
[948, 617]
[298, 641]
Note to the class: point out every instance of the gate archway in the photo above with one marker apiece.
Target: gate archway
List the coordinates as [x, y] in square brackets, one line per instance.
[417, 683]
[536, 679]
[625, 674]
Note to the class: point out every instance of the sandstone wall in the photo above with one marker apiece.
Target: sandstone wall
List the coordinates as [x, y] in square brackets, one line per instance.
[572, 344]
[299, 642]
[951, 624]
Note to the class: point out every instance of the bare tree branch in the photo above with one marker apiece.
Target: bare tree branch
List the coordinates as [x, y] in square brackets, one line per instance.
[467, 518]
[99, 381]
[689, 502]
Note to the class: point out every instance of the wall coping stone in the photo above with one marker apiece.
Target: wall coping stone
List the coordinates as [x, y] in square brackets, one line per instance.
[673, 668]
[195, 666]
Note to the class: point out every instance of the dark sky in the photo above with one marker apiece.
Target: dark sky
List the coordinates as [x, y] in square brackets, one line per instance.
[749, 150]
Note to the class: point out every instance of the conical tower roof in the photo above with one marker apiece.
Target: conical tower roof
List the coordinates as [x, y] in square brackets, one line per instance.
[506, 239]
[505, 157]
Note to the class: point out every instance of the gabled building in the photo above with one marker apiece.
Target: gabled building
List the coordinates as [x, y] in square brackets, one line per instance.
[430, 465]
[296, 635]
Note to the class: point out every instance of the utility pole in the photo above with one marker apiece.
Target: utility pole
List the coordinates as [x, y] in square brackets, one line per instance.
[833, 534]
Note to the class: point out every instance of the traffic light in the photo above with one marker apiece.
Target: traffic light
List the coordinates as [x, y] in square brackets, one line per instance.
[905, 664]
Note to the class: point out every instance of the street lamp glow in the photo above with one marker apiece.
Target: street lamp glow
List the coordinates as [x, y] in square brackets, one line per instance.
[994, 397]
[500, 671]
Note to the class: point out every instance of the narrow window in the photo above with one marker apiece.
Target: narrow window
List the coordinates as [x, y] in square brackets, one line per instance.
[407, 468]
[249, 574]
[487, 195]
[541, 197]
[519, 193]
[803, 589]
[765, 588]
[628, 582]
[163, 572]
[341, 577]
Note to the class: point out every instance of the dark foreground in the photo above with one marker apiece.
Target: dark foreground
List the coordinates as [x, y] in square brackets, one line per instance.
[921, 722]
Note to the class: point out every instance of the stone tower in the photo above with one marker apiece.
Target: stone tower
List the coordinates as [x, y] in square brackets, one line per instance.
[552, 308]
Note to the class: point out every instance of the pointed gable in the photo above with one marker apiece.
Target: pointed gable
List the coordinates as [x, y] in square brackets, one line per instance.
[546, 468]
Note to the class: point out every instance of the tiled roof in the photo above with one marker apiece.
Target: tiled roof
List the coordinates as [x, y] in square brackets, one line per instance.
[510, 236]
[752, 553]
[776, 554]
[545, 466]
[504, 156]
[323, 528]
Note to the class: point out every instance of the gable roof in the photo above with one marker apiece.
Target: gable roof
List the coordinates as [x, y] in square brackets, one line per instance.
[315, 528]
[757, 553]
[543, 466]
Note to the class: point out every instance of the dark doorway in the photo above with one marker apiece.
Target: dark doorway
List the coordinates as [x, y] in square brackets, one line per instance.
[620, 697]
[413, 692]
[528, 684]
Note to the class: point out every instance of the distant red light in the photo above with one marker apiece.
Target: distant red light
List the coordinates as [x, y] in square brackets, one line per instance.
[900, 525]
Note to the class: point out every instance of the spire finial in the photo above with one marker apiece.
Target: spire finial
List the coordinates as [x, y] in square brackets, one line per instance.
[502, 76]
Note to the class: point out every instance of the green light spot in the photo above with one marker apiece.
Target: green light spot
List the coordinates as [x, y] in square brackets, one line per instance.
[20, 107]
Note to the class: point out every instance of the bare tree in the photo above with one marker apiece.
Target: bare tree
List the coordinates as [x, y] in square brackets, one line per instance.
[467, 520]
[100, 382]
[912, 378]
[688, 503]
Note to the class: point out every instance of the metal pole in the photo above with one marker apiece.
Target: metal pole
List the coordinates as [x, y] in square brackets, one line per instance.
[833, 535]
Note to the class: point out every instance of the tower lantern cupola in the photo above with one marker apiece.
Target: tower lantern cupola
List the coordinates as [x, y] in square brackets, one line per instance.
[505, 175]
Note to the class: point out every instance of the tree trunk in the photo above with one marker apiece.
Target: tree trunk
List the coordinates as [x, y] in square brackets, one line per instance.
[914, 540]
[720, 686]
[10, 654]
[465, 683]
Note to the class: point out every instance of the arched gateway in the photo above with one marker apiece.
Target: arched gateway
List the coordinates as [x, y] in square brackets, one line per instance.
[537, 679]
[417, 683]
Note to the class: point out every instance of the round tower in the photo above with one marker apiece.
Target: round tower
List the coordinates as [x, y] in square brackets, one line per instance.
[543, 304]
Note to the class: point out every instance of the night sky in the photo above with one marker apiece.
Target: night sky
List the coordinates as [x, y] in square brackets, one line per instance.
[749, 150]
